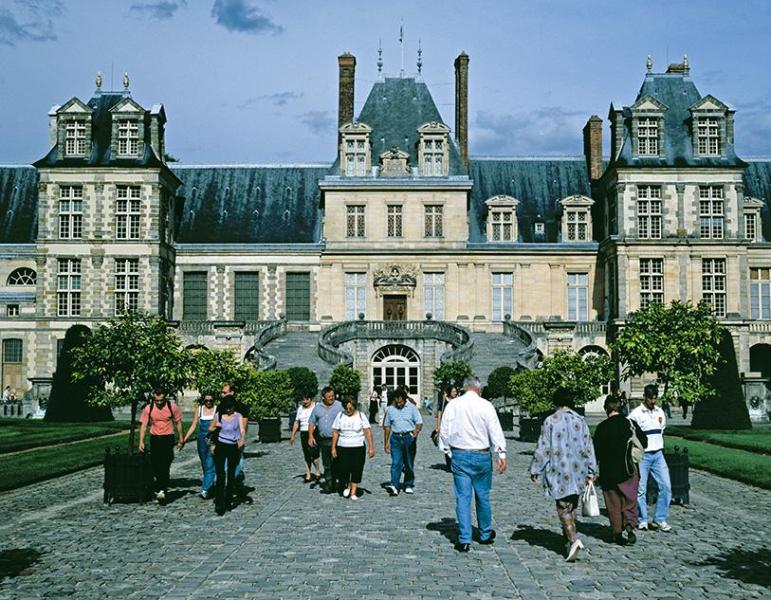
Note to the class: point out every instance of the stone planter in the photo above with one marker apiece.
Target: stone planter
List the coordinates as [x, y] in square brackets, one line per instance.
[127, 477]
[530, 429]
[507, 421]
[270, 430]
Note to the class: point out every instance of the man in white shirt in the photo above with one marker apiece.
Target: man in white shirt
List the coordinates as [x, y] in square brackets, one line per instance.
[470, 428]
[651, 419]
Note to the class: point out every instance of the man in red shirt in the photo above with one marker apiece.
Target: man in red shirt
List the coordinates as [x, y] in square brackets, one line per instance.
[163, 416]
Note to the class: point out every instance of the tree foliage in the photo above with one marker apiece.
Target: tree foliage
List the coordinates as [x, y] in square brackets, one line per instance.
[676, 343]
[451, 374]
[211, 369]
[266, 393]
[532, 390]
[304, 382]
[345, 381]
[69, 398]
[498, 382]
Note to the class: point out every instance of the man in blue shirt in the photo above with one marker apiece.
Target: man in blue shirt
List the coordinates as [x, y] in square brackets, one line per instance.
[320, 434]
[401, 427]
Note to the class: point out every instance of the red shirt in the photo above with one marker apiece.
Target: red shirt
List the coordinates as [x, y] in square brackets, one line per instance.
[161, 422]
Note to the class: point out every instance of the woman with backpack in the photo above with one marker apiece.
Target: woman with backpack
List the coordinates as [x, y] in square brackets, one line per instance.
[619, 444]
[163, 416]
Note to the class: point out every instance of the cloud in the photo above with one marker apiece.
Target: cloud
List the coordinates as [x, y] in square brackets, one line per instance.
[277, 99]
[29, 21]
[243, 16]
[162, 10]
[551, 130]
[753, 128]
[320, 122]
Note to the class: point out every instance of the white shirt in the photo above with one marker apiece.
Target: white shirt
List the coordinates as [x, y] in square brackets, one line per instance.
[303, 414]
[469, 422]
[652, 422]
[351, 429]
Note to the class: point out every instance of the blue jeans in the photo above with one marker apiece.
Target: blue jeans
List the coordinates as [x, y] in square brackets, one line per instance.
[472, 472]
[402, 459]
[207, 460]
[655, 464]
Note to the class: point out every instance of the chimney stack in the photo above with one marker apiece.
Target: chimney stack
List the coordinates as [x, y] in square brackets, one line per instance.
[593, 147]
[461, 105]
[347, 63]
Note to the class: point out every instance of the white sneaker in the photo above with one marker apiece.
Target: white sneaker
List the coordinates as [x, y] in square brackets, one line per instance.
[346, 492]
[354, 497]
[573, 552]
[643, 526]
[664, 526]
[409, 490]
[160, 496]
[392, 491]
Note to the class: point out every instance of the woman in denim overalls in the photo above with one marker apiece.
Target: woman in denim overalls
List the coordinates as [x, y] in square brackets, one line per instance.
[204, 416]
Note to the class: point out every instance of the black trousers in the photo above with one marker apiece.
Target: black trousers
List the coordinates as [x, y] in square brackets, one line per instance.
[161, 457]
[373, 406]
[350, 464]
[223, 453]
[310, 453]
[329, 478]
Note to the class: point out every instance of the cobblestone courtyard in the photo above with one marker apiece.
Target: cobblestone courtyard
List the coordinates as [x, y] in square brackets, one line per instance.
[57, 540]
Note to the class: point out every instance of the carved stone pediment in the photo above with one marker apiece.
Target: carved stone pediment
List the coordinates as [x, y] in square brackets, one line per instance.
[395, 279]
[393, 163]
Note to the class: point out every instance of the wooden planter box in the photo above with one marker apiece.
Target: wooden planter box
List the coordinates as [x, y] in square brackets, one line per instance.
[506, 420]
[530, 429]
[270, 430]
[127, 477]
[679, 476]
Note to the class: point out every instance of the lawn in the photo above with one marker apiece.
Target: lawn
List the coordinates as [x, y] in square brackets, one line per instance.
[23, 434]
[757, 440]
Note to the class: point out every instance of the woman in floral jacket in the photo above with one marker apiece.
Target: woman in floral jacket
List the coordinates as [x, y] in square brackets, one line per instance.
[564, 460]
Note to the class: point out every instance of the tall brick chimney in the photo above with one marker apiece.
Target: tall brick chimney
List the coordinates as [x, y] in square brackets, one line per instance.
[593, 147]
[347, 63]
[461, 105]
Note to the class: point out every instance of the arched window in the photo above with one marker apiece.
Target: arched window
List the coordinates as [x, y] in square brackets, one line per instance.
[396, 366]
[22, 276]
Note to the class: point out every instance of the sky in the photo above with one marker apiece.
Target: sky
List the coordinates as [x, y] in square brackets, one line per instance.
[255, 81]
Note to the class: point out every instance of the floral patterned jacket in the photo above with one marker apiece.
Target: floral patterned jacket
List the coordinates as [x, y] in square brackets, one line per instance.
[564, 455]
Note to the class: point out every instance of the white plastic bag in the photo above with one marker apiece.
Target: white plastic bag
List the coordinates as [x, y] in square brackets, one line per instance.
[590, 505]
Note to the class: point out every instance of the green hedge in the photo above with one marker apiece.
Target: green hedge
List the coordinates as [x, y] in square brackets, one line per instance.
[757, 440]
[23, 434]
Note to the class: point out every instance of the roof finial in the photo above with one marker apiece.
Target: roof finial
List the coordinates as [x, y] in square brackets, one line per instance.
[379, 56]
[420, 58]
[649, 63]
[98, 80]
[125, 80]
[686, 66]
[401, 43]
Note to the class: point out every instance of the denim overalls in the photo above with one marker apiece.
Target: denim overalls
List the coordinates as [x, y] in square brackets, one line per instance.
[204, 452]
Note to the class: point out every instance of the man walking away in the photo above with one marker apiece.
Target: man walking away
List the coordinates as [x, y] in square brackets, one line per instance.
[650, 418]
[470, 428]
[401, 427]
[163, 416]
[320, 434]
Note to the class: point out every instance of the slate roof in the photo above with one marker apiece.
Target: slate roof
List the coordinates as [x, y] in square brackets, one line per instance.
[678, 93]
[101, 133]
[394, 109]
[757, 183]
[18, 205]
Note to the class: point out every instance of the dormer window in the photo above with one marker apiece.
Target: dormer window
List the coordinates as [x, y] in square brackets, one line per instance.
[648, 136]
[128, 138]
[433, 150]
[648, 125]
[75, 138]
[708, 137]
[577, 219]
[752, 223]
[502, 219]
[712, 126]
[355, 155]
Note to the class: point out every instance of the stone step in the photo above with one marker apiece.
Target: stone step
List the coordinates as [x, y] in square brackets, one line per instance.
[300, 349]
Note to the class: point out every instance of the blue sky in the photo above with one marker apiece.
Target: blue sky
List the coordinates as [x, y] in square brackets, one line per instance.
[255, 81]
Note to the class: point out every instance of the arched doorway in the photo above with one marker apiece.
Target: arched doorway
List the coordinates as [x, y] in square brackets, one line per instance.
[760, 359]
[396, 365]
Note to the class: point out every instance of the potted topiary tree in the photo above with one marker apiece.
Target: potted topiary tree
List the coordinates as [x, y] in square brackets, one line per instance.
[345, 381]
[498, 393]
[268, 394]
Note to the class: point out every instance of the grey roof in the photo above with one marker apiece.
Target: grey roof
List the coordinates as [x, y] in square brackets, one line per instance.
[100, 140]
[757, 183]
[538, 183]
[678, 93]
[249, 205]
[394, 109]
[18, 204]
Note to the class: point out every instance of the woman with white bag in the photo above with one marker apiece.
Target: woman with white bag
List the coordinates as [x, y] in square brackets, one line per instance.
[619, 444]
[564, 461]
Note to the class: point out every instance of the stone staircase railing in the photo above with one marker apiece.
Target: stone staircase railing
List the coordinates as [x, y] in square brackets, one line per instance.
[529, 356]
[266, 334]
[462, 346]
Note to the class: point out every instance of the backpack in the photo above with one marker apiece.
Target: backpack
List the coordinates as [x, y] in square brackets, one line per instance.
[634, 451]
[152, 406]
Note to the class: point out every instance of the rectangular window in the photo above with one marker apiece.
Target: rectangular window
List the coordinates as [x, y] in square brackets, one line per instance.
[711, 215]
[355, 221]
[68, 285]
[578, 297]
[355, 295]
[195, 292]
[128, 207]
[12, 310]
[247, 296]
[648, 136]
[751, 226]
[394, 220]
[298, 296]
[713, 284]
[126, 285]
[128, 138]
[75, 138]
[578, 226]
[760, 293]
[355, 158]
[708, 135]
[434, 220]
[433, 158]
[649, 212]
[503, 295]
[433, 295]
[70, 212]
[503, 225]
[12, 351]
[651, 281]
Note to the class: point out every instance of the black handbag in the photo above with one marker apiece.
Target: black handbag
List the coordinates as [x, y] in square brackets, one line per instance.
[213, 436]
